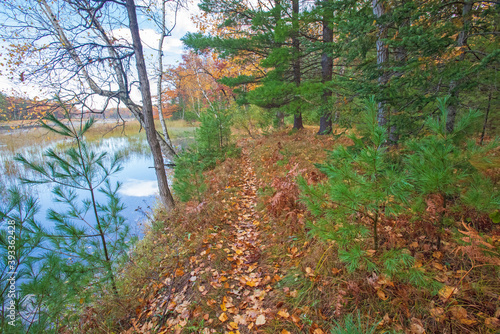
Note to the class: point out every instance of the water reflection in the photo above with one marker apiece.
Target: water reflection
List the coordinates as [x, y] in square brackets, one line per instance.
[139, 186]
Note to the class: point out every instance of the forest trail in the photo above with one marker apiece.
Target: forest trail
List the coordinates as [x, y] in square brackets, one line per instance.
[227, 273]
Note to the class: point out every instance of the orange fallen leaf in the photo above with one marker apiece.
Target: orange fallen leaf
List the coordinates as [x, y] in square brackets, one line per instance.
[285, 332]
[381, 294]
[233, 325]
[283, 313]
[223, 317]
[179, 272]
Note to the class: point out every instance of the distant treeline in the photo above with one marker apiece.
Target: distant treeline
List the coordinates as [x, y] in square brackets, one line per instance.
[14, 108]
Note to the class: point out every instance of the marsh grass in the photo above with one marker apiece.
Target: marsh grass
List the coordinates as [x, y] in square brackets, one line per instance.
[12, 140]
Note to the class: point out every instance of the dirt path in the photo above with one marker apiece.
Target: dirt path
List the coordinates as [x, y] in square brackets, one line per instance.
[226, 285]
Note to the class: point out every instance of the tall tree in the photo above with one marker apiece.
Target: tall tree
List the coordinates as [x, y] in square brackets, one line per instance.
[84, 56]
[297, 116]
[147, 108]
[325, 122]
[379, 10]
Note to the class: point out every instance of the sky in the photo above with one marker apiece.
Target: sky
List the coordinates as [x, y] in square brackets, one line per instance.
[172, 47]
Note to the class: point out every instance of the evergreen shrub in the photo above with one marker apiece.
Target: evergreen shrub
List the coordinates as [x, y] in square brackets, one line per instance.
[213, 143]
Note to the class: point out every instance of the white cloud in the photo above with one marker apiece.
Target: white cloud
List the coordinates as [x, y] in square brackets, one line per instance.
[139, 188]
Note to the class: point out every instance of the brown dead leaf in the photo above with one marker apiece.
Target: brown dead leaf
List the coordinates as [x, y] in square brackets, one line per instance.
[437, 255]
[381, 294]
[492, 323]
[295, 318]
[416, 326]
[239, 319]
[438, 313]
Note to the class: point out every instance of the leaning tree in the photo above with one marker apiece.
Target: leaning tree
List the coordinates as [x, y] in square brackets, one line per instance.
[90, 52]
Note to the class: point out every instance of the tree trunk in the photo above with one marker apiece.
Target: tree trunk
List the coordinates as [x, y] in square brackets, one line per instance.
[382, 58]
[485, 123]
[454, 91]
[280, 116]
[325, 122]
[147, 108]
[297, 117]
[123, 92]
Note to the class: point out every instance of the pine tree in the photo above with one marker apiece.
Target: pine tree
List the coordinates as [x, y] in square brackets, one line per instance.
[90, 233]
[363, 186]
[441, 170]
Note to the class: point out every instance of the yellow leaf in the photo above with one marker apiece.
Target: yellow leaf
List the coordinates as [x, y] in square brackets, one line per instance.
[285, 332]
[284, 314]
[233, 325]
[447, 291]
[223, 317]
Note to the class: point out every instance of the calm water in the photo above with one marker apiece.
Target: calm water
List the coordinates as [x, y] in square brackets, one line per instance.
[138, 190]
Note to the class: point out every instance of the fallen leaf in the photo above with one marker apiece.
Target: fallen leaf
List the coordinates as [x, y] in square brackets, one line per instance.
[179, 272]
[437, 255]
[223, 317]
[381, 294]
[416, 326]
[261, 320]
[447, 291]
[438, 313]
[233, 325]
[284, 314]
[239, 319]
[284, 331]
[492, 323]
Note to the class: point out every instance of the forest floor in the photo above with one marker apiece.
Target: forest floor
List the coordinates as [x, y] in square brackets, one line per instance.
[242, 261]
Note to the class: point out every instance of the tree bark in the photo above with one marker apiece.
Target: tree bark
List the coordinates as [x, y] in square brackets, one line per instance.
[325, 122]
[147, 108]
[297, 117]
[454, 90]
[382, 58]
